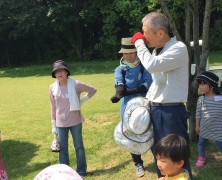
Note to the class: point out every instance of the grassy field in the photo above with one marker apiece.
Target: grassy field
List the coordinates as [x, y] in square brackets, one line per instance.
[26, 127]
[215, 58]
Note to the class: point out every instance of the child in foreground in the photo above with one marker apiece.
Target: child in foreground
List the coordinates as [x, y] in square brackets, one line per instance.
[172, 152]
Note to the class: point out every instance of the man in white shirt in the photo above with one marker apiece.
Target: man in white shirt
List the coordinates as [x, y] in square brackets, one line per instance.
[168, 65]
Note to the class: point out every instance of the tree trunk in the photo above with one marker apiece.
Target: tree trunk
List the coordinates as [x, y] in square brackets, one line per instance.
[192, 93]
[200, 60]
[191, 107]
[7, 55]
[195, 14]
[36, 46]
[187, 33]
[76, 40]
[205, 35]
[171, 21]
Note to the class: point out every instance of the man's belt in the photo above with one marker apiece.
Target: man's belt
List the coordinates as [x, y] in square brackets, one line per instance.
[166, 104]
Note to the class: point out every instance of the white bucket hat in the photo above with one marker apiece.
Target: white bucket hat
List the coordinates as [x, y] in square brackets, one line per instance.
[127, 46]
[135, 132]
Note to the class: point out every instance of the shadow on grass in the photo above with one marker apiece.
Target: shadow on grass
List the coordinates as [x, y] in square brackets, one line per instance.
[17, 155]
[150, 168]
[212, 168]
[76, 68]
[111, 170]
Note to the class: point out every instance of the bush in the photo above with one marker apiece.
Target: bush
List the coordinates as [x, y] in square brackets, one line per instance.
[216, 36]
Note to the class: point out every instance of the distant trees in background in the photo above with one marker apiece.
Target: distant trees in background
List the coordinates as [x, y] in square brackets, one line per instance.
[40, 31]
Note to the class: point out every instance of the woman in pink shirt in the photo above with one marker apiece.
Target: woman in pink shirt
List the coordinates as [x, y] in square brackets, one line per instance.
[66, 115]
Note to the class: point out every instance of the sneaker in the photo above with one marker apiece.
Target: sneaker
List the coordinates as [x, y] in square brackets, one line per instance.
[139, 170]
[200, 162]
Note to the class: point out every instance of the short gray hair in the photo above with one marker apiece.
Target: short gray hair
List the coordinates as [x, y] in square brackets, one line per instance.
[157, 21]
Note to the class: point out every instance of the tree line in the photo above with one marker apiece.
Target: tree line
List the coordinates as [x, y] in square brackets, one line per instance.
[40, 31]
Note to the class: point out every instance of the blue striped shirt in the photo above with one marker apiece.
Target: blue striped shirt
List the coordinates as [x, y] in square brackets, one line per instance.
[210, 113]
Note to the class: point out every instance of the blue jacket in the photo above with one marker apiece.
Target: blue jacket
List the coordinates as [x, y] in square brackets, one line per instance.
[134, 77]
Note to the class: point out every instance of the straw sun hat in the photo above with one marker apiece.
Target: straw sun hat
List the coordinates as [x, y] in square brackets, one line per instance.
[135, 132]
[127, 46]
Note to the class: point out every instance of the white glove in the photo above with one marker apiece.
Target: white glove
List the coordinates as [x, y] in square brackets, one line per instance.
[83, 99]
[138, 43]
[54, 128]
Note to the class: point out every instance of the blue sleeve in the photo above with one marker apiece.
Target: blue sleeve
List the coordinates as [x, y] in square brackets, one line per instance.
[118, 76]
[147, 78]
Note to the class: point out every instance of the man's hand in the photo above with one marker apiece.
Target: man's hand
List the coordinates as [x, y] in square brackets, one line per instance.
[137, 36]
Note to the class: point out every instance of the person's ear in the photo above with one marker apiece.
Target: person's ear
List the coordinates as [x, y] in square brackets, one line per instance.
[180, 163]
[160, 33]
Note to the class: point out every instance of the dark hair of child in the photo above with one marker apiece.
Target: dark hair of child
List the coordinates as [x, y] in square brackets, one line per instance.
[173, 147]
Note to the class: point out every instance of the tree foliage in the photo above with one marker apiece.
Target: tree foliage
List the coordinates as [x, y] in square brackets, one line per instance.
[40, 31]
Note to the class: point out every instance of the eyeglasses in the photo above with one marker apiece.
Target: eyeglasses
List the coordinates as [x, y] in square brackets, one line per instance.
[202, 82]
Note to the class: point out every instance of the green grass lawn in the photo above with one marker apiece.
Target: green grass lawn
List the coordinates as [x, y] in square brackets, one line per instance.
[215, 58]
[26, 126]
